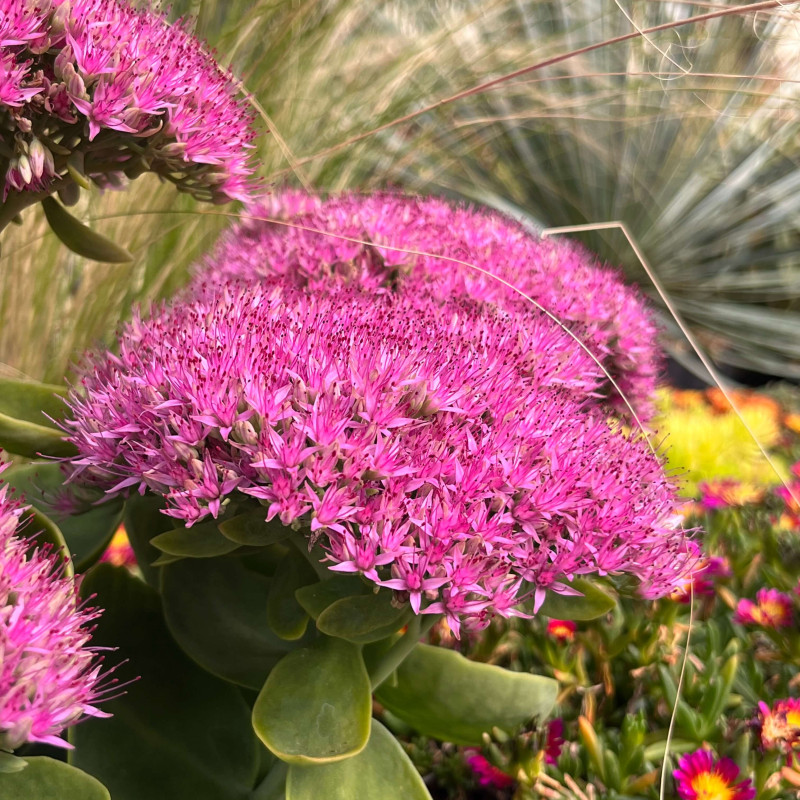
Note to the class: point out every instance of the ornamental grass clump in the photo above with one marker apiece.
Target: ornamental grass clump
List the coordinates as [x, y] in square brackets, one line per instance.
[50, 678]
[103, 90]
[384, 241]
[443, 448]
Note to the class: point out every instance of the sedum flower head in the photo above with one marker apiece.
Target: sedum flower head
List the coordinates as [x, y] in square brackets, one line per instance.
[440, 447]
[771, 609]
[48, 674]
[700, 776]
[594, 302]
[109, 88]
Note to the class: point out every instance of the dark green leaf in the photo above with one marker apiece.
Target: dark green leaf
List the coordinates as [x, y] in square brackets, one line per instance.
[285, 615]
[363, 618]
[316, 704]
[143, 521]
[47, 779]
[81, 239]
[318, 596]
[216, 610]
[46, 532]
[199, 541]
[178, 733]
[87, 534]
[593, 602]
[442, 694]
[381, 771]
[252, 529]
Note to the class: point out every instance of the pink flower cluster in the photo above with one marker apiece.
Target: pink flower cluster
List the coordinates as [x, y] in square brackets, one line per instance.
[424, 243]
[48, 675]
[123, 89]
[441, 447]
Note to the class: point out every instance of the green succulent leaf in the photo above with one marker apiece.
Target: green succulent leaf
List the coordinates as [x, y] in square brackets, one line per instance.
[216, 610]
[143, 521]
[318, 596]
[252, 529]
[47, 779]
[381, 771]
[81, 239]
[285, 615]
[86, 534]
[315, 707]
[442, 694]
[177, 732]
[592, 603]
[11, 763]
[27, 411]
[199, 541]
[363, 618]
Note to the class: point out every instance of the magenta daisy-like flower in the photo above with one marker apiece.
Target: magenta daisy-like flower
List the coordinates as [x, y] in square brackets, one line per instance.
[700, 776]
[486, 773]
[425, 243]
[771, 609]
[440, 447]
[49, 676]
[107, 88]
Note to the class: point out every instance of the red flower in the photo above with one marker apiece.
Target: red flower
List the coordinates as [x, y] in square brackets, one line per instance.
[563, 630]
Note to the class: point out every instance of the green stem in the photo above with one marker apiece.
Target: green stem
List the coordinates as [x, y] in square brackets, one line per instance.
[273, 786]
[398, 652]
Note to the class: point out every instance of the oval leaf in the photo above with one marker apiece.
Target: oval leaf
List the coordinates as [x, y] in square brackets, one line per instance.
[318, 596]
[316, 705]
[143, 521]
[81, 239]
[32, 401]
[592, 603]
[363, 618]
[11, 763]
[285, 615]
[215, 611]
[252, 529]
[382, 771]
[47, 779]
[177, 732]
[199, 541]
[442, 694]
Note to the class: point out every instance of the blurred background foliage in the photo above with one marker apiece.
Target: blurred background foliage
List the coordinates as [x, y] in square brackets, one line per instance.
[688, 135]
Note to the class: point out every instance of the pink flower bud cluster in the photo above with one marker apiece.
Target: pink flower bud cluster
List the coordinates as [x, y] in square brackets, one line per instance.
[441, 447]
[48, 675]
[594, 302]
[121, 88]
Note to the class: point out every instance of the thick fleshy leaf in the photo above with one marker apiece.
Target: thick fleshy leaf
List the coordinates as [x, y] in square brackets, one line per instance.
[86, 534]
[363, 618]
[252, 529]
[216, 610]
[31, 440]
[176, 733]
[143, 521]
[381, 771]
[47, 779]
[316, 705]
[199, 541]
[318, 596]
[11, 763]
[33, 401]
[285, 615]
[80, 238]
[442, 694]
[592, 603]
[47, 533]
